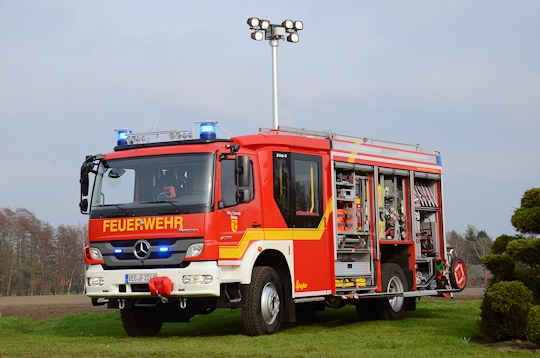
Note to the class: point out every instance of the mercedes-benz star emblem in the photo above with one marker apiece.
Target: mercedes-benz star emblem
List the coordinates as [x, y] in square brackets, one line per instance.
[141, 249]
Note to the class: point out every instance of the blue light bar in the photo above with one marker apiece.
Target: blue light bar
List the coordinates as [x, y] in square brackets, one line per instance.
[207, 130]
[122, 135]
[163, 249]
[118, 251]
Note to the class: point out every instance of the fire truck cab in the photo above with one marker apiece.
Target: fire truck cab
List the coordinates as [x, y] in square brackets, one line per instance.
[281, 224]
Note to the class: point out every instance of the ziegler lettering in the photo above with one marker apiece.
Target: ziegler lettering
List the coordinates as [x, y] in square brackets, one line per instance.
[301, 285]
[144, 224]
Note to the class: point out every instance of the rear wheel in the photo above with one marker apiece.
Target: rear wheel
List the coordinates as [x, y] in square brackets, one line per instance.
[141, 321]
[262, 313]
[365, 309]
[394, 281]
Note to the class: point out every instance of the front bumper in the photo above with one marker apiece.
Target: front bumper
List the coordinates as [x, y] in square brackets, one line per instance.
[114, 282]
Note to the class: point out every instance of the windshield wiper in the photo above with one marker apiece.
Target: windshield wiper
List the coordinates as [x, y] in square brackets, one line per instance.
[125, 212]
[175, 210]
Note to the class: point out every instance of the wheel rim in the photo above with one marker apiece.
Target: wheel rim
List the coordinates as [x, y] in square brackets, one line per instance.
[395, 286]
[269, 303]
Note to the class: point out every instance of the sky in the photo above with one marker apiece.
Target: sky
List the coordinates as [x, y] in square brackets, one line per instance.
[458, 77]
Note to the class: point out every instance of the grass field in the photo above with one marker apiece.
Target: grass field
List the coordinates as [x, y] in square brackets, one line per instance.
[437, 328]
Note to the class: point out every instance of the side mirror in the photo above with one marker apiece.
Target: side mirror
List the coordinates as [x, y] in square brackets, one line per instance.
[83, 205]
[243, 170]
[243, 179]
[244, 195]
[84, 184]
[86, 169]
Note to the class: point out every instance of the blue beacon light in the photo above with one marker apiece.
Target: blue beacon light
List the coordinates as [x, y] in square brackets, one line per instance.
[122, 135]
[207, 130]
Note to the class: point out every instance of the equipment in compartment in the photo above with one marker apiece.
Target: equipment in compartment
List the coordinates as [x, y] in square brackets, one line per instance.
[426, 208]
[345, 195]
[425, 237]
[354, 265]
[343, 220]
[423, 195]
[352, 268]
[392, 213]
[352, 202]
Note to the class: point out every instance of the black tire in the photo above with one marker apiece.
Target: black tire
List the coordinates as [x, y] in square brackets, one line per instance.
[365, 309]
[394, 281]
[305, 311]
[141, 321]
[458, 274]
[261, 314]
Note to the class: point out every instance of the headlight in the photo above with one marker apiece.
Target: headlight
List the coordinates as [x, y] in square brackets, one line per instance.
[194, 250]
[96, 254]
[96, 281]
[197, 279]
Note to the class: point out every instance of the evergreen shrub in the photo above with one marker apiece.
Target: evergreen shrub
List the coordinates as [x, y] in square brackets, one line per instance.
[532, 331]
[504, 310]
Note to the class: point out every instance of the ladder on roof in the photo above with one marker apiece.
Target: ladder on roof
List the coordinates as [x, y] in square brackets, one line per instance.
[298, 131]
[341, 137]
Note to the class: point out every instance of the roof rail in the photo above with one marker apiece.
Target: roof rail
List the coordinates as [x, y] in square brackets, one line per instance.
[297, 131]
[343, 137]
[384, 143]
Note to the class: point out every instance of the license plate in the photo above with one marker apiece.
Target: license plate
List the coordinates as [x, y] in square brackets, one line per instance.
[139, 277]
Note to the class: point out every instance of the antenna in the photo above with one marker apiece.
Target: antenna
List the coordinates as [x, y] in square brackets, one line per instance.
[152, 128]
[159, 120]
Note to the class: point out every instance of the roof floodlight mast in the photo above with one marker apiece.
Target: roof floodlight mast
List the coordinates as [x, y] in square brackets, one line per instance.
[263, 29]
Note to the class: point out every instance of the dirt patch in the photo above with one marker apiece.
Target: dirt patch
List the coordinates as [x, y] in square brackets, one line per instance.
[470, 293]
[46, 307]
[516, 345]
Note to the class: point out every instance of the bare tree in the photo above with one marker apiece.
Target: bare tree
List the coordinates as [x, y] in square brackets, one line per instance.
[29, 252]
[458, 243]
[481, 246]
[71, 241]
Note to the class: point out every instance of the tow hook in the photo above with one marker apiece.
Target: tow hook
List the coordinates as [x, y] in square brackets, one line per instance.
[183, 303]
[121, 303]
[163, 299]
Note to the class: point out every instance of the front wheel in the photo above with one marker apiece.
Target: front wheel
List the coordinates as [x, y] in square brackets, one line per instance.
[394, 281]
[261, 314]
[141, 321]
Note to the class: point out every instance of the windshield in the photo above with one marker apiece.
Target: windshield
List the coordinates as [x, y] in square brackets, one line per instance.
[176, 180]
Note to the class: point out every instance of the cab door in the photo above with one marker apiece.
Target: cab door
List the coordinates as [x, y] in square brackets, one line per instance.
[298, 191]
[235, 215]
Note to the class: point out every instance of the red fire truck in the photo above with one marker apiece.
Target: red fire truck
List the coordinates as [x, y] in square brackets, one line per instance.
[281, 224]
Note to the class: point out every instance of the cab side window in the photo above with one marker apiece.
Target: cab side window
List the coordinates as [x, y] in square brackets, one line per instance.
[298, 189]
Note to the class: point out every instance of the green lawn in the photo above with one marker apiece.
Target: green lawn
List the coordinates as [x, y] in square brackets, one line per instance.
[437, 328]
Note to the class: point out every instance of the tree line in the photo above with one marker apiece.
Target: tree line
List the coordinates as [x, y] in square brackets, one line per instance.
[471, 246]
[38, 259]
